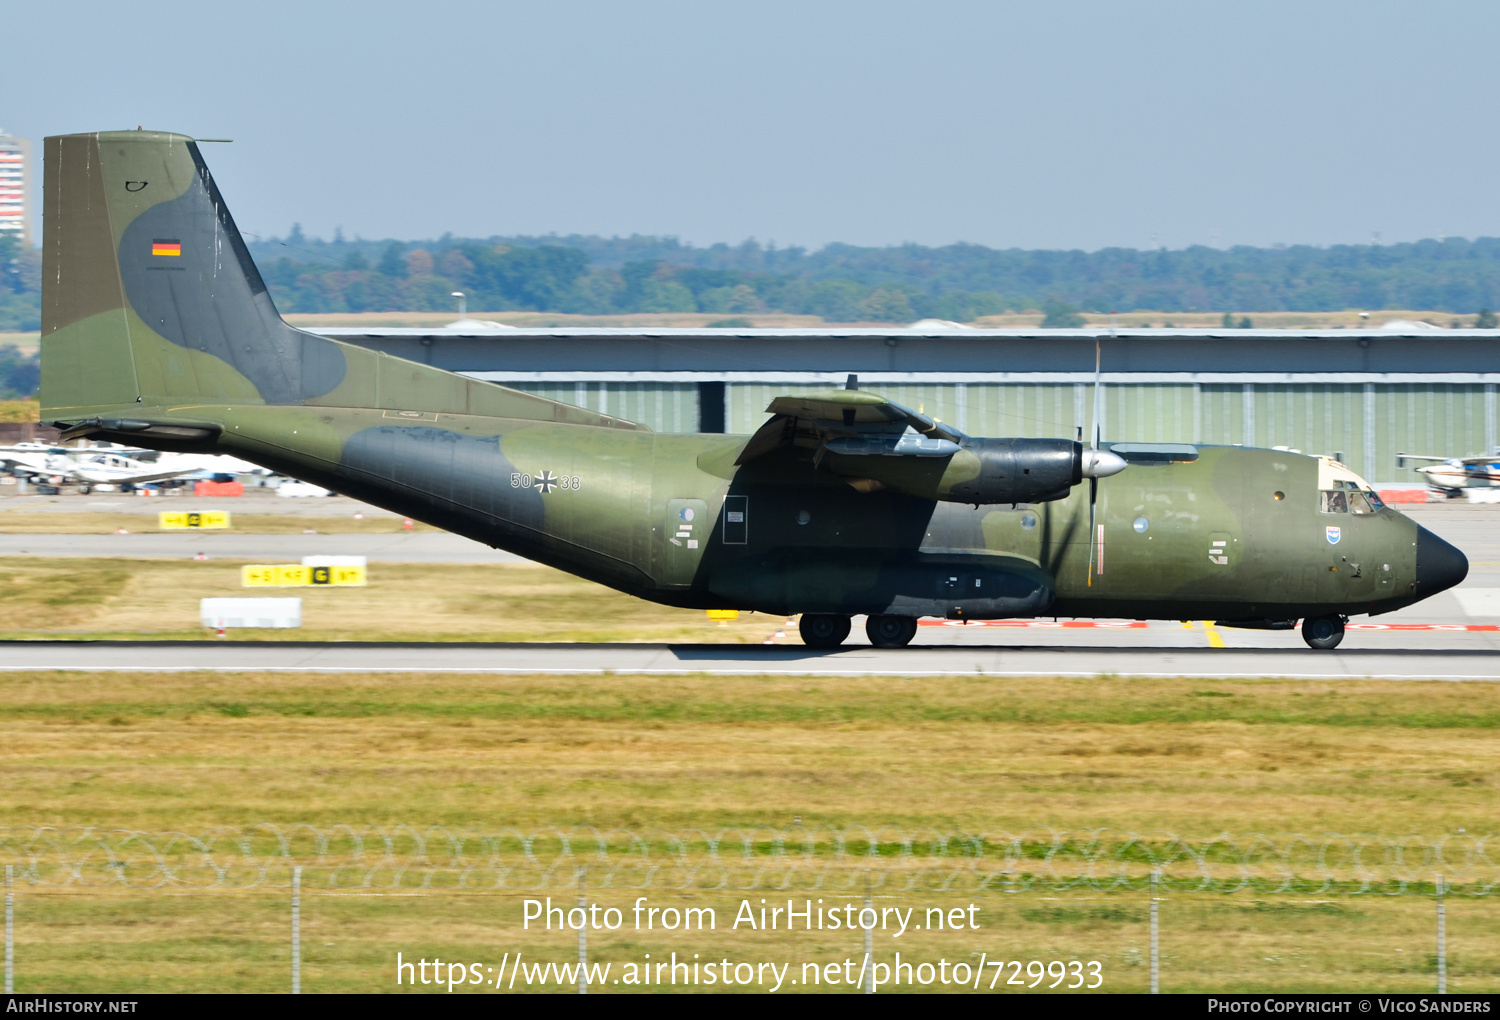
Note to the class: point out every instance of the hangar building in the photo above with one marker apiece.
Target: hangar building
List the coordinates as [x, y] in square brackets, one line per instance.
[1364, 394]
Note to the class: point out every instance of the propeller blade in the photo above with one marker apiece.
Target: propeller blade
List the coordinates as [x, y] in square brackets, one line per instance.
[1094, 444]
[1093, 498]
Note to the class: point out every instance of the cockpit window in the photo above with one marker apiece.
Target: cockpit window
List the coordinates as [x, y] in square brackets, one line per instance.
[1334, 502]
[1359, 504]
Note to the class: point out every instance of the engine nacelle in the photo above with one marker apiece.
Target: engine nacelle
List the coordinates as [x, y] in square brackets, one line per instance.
[976, 471]
[1019, 471]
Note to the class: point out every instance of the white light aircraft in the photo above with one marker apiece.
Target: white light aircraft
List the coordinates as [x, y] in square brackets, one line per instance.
[1451, 474]
[90, 466]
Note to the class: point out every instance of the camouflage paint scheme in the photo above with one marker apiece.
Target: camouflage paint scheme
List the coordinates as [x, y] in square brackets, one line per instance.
[187, 352]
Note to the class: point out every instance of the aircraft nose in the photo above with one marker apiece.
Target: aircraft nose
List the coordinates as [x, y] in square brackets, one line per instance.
[1439, 565]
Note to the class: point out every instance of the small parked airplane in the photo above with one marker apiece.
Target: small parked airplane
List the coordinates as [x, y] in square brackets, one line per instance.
[1450, 474]
[113, 465]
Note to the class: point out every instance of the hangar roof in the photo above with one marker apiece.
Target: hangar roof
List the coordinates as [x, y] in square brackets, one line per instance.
[1338, 356]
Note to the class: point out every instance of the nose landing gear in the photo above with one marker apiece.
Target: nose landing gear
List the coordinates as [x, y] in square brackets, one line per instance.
[1324, 632]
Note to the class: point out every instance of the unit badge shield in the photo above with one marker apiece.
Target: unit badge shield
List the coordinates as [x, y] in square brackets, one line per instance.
[1334, 534]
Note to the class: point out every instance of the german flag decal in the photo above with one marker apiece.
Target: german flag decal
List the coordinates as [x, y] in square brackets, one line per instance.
[167, 246]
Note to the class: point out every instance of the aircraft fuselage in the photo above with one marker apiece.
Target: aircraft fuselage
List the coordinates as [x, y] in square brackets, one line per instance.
[1234, 534]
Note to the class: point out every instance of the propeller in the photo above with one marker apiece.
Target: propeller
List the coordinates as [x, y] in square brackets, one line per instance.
[1097, 464]
[1093, 451]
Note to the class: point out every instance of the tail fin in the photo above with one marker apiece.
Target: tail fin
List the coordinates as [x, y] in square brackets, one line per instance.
[149, 294]
[150, 300]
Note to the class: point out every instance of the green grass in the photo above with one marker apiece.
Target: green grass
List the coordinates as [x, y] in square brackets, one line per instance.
[239, 942]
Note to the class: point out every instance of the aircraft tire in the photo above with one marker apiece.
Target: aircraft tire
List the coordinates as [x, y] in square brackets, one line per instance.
[1324, 632]
[891, 631]
[823, 630]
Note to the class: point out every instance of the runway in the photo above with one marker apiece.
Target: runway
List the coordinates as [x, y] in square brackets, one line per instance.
[987, 660]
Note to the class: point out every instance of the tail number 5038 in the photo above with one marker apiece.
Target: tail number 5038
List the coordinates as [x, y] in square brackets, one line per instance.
[546, 481]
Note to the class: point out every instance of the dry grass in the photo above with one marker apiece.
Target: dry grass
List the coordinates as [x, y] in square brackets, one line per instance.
[544, 320]
[43, 520]
[157, 598]
[1347, 319]
[20, 410]
[188, 751]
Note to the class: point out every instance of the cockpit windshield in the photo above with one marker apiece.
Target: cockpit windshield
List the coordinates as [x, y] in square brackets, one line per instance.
[1341, 491]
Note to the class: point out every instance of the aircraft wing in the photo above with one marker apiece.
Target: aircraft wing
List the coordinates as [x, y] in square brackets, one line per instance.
[1481, 461]
[853, 422]
[31, 460]
[117, 476]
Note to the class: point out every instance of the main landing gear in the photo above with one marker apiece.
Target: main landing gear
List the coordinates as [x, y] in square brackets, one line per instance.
[891, 631]
[823, 630]
[828, 630]
[1324, 632]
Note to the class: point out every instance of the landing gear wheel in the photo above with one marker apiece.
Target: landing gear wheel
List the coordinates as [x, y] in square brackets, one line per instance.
[823, 630]
[891, 631]
[84, 490]
[1324, 632]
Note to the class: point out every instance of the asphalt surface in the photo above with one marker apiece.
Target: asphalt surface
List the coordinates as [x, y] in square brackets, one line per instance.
[625, 659]
[396, 547]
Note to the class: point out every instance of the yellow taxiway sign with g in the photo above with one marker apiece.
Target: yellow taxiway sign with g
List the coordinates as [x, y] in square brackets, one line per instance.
[293, 575]
[171, 519]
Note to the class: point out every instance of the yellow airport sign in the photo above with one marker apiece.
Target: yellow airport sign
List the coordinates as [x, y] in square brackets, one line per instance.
[292, 575]
[723, 614]
[172, 519]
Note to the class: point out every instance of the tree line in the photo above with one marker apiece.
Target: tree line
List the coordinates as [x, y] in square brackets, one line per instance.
[20, 373]
[838, 283]
[20, 286]
[845, 283]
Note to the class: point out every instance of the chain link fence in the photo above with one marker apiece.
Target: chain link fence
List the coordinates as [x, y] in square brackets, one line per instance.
[797, 859]
[1073, 876]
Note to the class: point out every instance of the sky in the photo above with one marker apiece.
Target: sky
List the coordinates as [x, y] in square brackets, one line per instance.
[1053, 124]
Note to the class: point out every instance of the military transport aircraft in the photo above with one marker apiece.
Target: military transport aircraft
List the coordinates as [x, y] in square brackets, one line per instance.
[157, 330]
